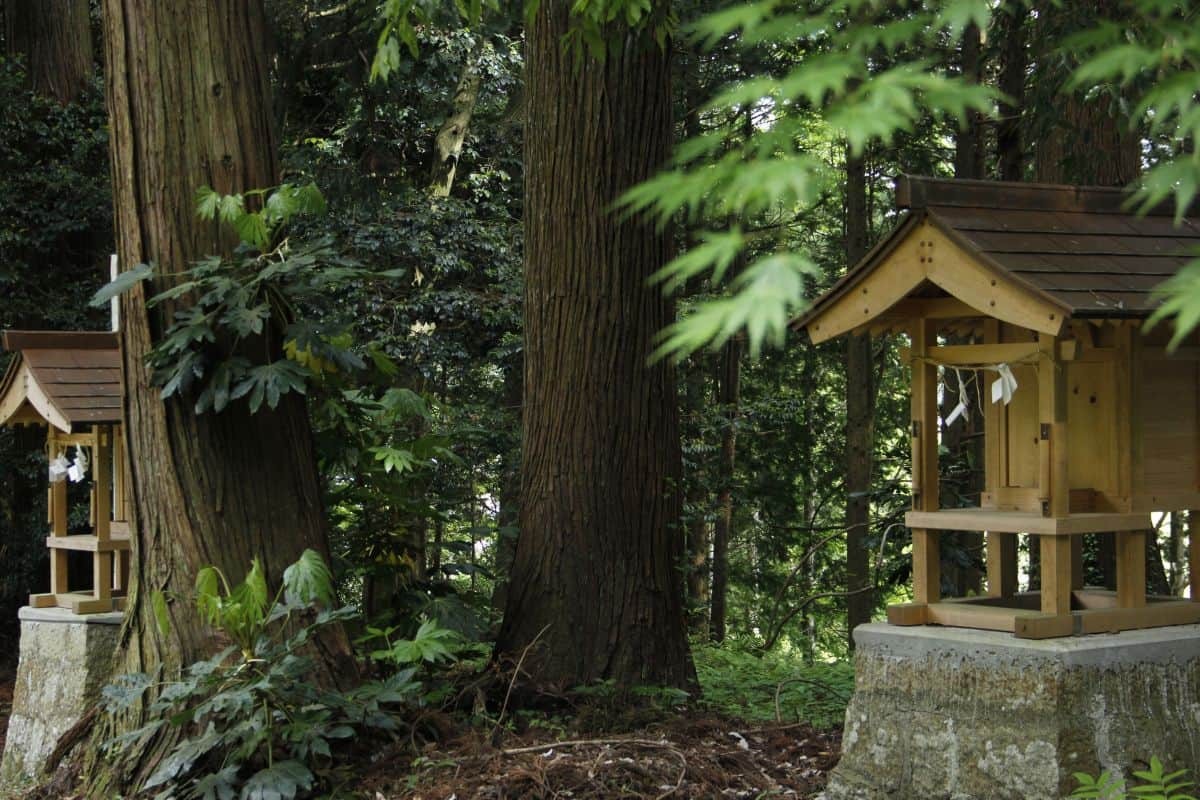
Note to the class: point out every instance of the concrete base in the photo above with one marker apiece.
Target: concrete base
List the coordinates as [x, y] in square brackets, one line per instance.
[65, 660]
[956, 714]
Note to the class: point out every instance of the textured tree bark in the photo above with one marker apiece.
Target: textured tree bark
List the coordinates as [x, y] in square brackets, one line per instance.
[860, 419]
[729, 380]
[1014, 60]
[1082, 140]
[189, 105]
[448, 143]
[969, 149]
[597, 570]
[54, 37]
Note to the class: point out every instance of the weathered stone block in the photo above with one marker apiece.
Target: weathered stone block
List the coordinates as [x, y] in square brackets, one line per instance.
[65, 660]
[956, 714]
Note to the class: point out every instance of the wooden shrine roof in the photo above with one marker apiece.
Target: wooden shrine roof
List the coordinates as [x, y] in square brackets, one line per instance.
[68, 379]
[1077, 248]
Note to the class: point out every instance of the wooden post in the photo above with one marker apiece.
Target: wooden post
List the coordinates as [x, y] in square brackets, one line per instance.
[1054, 486]
[993, 422]
[1001, 564]
[1131, 569]
[1056, 575]
[118, 448]
[102, 575]
[927, 572]
[102, 483]
[59, 575]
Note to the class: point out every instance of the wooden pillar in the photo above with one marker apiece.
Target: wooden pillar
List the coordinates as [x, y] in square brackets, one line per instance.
[1054, 486]
[1131, 569]
[927, 571]
[1056, 574]
[1001, 564]
[1058, 565]
[118, 471]
[102, 482]
[59, 574]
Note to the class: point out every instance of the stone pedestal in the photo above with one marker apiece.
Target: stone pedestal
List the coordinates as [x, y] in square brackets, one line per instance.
[65, 660]
[955, 714]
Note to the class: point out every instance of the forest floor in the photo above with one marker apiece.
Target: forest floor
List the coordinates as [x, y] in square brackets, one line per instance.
[680, 756]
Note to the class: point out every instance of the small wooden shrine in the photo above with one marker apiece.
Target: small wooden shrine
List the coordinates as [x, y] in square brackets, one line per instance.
[1091, 423]
[71, 383]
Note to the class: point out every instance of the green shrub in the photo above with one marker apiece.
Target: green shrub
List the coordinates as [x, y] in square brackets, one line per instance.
[772, 686]
[253, 724]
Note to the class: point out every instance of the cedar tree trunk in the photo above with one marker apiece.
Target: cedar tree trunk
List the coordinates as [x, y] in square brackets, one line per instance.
[1014, 59]
[969, 149]
[860, 419]
[54, 37]
[596, 579]
[1084, 140]
[189, 105]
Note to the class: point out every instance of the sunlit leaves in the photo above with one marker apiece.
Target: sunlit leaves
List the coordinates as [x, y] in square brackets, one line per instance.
[755, 169]
[716, 252]
[1180, 296]
[766, 297]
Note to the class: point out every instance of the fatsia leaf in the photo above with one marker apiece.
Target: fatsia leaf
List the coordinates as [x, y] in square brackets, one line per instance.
[124, 282]
[208, 594]
[208, 203]
[125, 690]
[308, 580]
[220, 785]
[252, 229]
[256, 586]
[283, 781]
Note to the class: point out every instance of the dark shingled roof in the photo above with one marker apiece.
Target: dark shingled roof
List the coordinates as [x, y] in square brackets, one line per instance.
[69, 378]
[1081, 247]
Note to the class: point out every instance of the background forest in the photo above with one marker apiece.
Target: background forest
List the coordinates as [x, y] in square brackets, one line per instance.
[794, 457]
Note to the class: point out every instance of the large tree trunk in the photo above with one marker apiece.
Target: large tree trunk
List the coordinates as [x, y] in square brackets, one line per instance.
[189, 105]
[54, 37]
[597, 571]
[969, 149]
[1084, 140]
[1014, 59]
[728, 390]
[860, 419]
